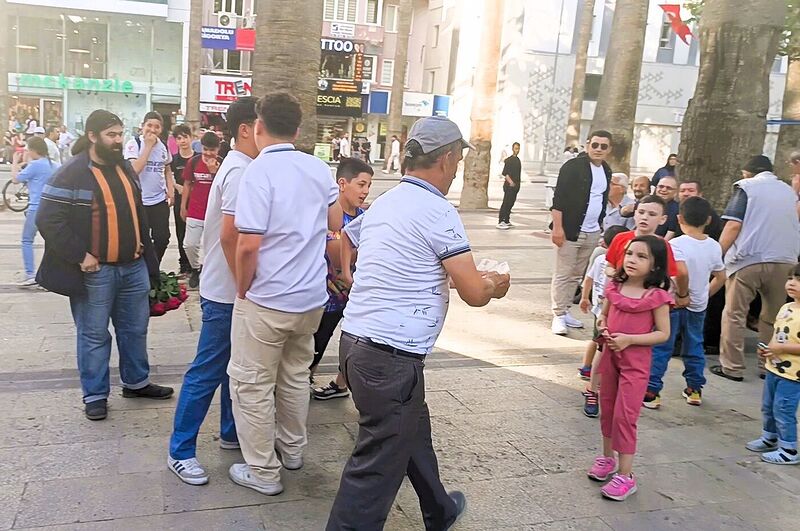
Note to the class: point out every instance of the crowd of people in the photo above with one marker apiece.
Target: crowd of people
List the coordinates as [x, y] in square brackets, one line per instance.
[661, 270]
[271, 238]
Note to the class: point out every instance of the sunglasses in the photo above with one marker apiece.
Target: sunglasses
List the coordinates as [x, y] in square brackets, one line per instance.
[598, 145]
[665, 187]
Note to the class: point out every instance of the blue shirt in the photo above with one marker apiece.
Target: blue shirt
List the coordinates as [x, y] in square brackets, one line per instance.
[36, 174]
[400, 292]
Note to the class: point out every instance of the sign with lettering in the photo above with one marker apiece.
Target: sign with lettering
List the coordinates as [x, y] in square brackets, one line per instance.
[218, 38]
[417, 104]
[74, 83]
[224, 89]
[337, 45]
[342, 30]
[339, 104]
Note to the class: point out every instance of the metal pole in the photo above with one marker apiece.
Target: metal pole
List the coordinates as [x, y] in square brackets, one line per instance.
[552, 93]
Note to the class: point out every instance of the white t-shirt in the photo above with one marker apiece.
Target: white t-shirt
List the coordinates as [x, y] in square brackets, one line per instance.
[287, 200]
[702, 257]
[52, 151]
[597, 272]
[591, 221]
[400, 294]
[395, 147]
[344, 147]
[152, 179]
[216, 279]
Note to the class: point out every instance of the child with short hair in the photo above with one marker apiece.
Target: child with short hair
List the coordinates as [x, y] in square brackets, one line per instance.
[635, 317]
[595, 281]
[778, 441]
[703, 258]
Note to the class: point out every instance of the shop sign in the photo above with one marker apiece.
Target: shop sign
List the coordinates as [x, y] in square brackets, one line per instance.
[322, 151]
[368, 65]
[218, 38]
[339, 104]
[218, 89]
[342, 30]
[221, 108]
[417, 104]
[358, 69]
[74, 83]
[337, 45]
[246, 39]
[340, 85]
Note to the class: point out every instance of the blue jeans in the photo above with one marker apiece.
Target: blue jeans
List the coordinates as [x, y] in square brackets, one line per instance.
[207, 372]
[779, 409]
[28, 235]
[689, 325]
[118, 292]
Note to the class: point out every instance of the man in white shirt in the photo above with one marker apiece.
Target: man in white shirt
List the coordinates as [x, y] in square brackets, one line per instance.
[65, 141]
[409, 242]
[51, 136]
[394, 156]
[281, 291]
[344, 146]
[217, 295]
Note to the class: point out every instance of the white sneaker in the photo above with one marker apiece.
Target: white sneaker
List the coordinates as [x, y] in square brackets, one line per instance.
[559, 327]
[510, 224]
[188, 470]
[240, 474]
[291, 463]
[503, 225]
[571, 321]
[28, 282]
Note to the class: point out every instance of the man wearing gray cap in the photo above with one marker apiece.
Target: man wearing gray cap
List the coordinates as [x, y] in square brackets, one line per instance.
[409, 242]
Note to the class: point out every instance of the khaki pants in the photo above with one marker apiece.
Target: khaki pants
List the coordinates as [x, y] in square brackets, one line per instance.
[767, 280]
[192, 241]
[270, 355]
[572, 258]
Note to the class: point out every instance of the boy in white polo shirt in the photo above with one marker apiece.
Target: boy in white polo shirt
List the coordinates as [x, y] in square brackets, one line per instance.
[283, 221]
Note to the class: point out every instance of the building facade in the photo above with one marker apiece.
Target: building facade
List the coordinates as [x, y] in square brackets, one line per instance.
[69, 57]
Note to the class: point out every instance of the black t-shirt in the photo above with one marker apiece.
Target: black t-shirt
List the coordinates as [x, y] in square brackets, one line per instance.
[513, 168]
[178, 164]
[672, 219]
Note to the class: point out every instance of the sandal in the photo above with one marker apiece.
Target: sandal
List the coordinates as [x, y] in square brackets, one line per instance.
[718, 370]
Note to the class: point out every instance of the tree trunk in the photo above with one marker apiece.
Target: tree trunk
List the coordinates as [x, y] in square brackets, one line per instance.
[725, 122]
[579, 78]
[192, 116]
[5, 52]
[287, 57]
[619, 89]
[395, 122]
[477, 165]
[789, 135]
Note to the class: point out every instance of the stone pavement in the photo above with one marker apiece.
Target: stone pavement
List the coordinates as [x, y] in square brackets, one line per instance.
[505, 406]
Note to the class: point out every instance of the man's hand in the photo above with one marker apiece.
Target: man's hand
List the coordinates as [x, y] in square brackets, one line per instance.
[585, 305]
[150, 139]
[557, 237]
[90, 264]
[501, 283]
[347, 278]
[213, 165]
[170, 198]
[681, 302]
[184, 213]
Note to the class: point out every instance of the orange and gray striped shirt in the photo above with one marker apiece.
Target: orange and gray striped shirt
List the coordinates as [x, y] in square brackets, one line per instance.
[115, 234]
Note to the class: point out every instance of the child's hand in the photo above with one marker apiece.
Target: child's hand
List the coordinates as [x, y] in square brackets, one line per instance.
[601, 324]
[763, 352]
[585, 305]
[619, 342]
[774, 348]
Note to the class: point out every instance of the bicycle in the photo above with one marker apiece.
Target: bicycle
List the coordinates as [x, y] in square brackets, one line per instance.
[15, 196]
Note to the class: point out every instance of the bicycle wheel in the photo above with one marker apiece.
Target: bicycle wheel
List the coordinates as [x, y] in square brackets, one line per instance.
[15, 196]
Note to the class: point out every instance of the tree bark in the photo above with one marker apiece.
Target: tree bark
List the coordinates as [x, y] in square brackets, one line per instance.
[579, 78]
[725, 123]
[192, 116]
[789, 135]
[287, 55]
[5, 52]
[477, 165]
[395, 121]
[619, 89]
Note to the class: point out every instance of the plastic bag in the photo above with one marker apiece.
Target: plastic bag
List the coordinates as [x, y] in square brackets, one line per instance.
[489, 265]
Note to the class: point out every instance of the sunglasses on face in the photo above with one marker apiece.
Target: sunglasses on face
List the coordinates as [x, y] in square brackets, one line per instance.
[665, 187]
[598, 145]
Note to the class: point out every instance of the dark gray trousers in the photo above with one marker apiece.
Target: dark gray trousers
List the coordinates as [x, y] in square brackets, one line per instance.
[394, 440]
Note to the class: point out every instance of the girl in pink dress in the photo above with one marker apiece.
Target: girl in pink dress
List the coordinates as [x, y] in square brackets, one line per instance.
[635, 317]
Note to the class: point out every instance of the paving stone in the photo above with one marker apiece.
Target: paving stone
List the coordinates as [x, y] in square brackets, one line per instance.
[10, 496]
[467, 461]
[19, 431]
[581, 524]
[503, 398]
[700, 517]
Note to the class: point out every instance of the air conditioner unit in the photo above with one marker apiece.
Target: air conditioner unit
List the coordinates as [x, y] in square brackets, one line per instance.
[226, 20]
[249, 21]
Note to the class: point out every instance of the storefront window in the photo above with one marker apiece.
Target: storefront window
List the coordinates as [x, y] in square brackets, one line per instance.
[86, 47]
[336, 65]
[37, 43]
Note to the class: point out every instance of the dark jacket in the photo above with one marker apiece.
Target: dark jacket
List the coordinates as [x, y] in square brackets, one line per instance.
[64, 219]
[572, 194]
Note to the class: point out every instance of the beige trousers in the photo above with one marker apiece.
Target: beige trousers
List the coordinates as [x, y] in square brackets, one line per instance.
[572, 258]
[270, 355]
[767, 280]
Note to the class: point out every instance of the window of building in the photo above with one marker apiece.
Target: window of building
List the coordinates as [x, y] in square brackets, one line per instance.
[390, 22]
[229, 6]
[340, 10]
[387, 72]
[591, 89]
[406, 75]
[35, 45]
[665, 38]
[337, 65]
[435, 36]
[86, 49]
[230, 60]
[431, 86]
[374, 11]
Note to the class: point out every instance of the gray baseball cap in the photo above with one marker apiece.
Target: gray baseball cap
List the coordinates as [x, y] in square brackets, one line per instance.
[434, 132]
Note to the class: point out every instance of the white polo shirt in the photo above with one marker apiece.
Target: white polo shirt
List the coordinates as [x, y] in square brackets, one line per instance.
[287, 200]
[401, 294]
[216, 279]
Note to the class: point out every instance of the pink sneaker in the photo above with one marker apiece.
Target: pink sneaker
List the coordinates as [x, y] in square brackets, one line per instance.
[619, 488]
[603, 468]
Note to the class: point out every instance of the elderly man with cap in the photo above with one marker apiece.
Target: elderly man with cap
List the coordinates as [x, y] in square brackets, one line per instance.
[409, 242]
[98, 254]
[617, 200]
[761, 242]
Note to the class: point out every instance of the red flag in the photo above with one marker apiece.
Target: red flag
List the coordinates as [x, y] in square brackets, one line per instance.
[673, 12]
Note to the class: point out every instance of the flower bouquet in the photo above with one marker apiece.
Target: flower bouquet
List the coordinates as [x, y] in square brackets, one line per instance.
[169, 295]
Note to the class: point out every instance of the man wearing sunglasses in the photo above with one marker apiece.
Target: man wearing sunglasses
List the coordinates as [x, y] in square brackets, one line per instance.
[579, 206]
[667, 189]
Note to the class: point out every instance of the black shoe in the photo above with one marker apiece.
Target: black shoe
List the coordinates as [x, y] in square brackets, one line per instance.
[194, 279]
[97, 410]
[461, 506]
[156, 392]
[717, 369]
